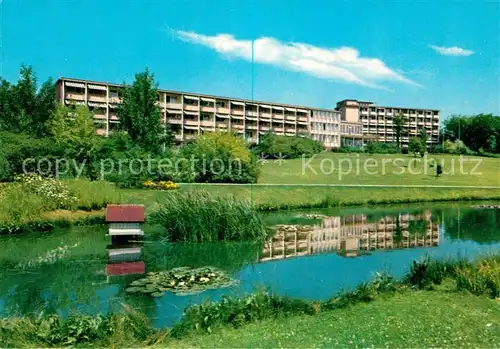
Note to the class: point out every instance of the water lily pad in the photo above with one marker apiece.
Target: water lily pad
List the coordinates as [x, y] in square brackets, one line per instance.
[157, 294]
[132, 289]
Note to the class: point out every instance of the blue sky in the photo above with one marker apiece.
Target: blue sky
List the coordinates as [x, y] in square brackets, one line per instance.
[442, 55]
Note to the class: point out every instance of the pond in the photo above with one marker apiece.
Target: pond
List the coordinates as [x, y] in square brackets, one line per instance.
[313, 255]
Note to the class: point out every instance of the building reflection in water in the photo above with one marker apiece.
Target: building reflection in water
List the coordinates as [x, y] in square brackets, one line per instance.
[352, 236]
[124, 257]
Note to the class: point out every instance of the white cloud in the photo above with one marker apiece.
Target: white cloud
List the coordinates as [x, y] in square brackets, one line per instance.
[451, 51]
[343, 63]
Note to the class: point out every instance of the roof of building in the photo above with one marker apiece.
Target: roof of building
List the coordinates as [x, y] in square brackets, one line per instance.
[125, 213]
[201, 95]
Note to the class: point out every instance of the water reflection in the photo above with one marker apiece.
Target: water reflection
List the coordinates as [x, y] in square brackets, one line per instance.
[82, 269]
[353, 235]
[124, 257]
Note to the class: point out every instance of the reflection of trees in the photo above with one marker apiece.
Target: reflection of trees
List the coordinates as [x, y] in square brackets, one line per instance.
[230, 256]
[479, 225]
[417, 227]
[50, 287]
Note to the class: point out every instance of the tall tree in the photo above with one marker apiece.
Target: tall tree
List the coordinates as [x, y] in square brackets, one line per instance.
[423, 139]
[139, 113]
[399, 127]
[24, 108]
[73, 128]
[414, 146]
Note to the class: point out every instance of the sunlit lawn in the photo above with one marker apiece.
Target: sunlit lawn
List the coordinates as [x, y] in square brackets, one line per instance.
[293, 182]
[382, 169]
[410, 320]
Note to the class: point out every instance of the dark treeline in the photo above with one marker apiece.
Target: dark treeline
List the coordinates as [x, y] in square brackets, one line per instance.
[479, 133]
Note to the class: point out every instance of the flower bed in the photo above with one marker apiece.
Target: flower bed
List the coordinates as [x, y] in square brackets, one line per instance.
[161, 185]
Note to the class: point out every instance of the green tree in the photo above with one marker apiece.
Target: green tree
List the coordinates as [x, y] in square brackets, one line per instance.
[24, 108]
[140, 115]
[423, 140]
[399, 127]
[414, 146]
[73, 128]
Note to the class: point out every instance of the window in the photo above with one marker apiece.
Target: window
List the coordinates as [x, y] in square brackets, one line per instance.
[220, 104]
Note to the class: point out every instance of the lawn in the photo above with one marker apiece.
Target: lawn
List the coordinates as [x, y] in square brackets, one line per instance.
[284, 184]
[382, 169]
[411, 319]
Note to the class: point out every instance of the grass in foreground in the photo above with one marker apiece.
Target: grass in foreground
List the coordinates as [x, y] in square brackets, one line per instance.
[409, 319]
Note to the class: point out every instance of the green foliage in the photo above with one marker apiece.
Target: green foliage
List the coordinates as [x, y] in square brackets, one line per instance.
[139, 113]
[476, 131]
[349, 149]
[274, 146]
[196, 216]
[415, 146]
[26, 201]
[428, 272]
[382, 148]
[481, 277]
[236, 312]
[24, 154]
[456, 147]
[77, 329]
[219, 157]
[399, 128]
[181, 280]
[74, 130]
[24, 107]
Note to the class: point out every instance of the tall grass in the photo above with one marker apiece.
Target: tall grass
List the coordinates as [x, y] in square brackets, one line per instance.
[94, 195]
[126, 329]
[196, 216]
[481, 277]
[19, 204]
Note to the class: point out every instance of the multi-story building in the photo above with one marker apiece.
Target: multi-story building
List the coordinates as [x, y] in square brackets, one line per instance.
[377, 122]
[190, 114]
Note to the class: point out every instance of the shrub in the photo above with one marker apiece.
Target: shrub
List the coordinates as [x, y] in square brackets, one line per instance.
[349, 149]
[480, 277]
[235, 312]
[195, 216]
[275, 146]
[220, 158]
[456, 147]
[426, 272]
[54, 192]
[55, 331]
[382, 148]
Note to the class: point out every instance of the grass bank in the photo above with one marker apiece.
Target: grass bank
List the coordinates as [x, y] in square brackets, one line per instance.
[416, 319]
[430, 306]
[270, 198]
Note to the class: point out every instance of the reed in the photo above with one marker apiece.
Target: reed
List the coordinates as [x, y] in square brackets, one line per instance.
[196, 216]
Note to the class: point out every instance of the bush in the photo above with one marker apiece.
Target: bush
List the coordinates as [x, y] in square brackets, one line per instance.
[220, 157]
[195, 216]
[382, 148]
[17, 148]
[480, 277]
[55, 331]
[236, 312]
[276, 146]
[348, 149]
[427, 272]
[456, 147]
